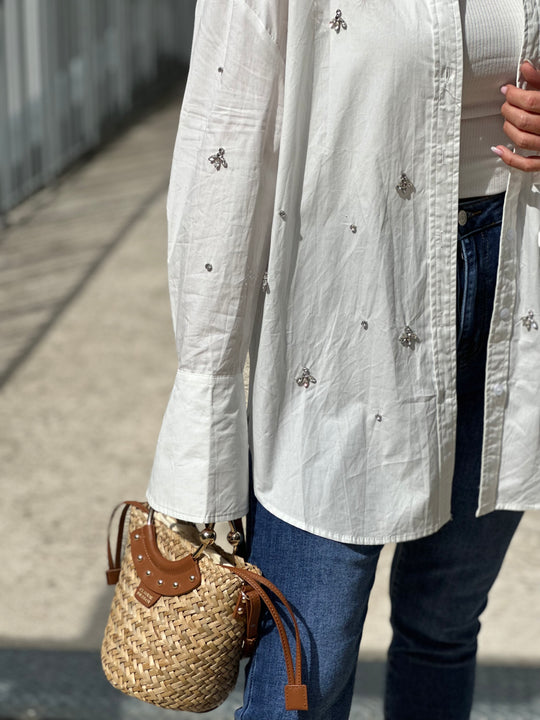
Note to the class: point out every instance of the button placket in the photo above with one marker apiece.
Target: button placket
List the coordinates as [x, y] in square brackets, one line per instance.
[498, 390]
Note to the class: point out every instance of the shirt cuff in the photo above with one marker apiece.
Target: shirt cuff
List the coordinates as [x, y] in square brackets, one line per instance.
[200, 470]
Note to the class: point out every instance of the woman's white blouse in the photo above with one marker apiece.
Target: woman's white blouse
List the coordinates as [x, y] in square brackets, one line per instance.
[312, 219]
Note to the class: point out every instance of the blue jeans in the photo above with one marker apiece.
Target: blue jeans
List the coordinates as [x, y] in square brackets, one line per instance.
[439, 584]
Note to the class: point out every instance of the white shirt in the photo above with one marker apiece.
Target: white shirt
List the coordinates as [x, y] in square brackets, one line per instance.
[342, 152]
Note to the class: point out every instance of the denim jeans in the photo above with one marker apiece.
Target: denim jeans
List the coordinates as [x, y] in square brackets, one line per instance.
[439, 584]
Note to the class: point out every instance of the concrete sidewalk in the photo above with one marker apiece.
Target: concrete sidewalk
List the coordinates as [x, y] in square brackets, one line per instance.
[87, 363]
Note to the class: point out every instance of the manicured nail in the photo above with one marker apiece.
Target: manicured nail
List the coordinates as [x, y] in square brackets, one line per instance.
[504, 89]
[497, 151]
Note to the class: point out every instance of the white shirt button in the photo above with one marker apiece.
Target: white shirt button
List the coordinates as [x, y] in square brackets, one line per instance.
[505, 314]
[498, 389]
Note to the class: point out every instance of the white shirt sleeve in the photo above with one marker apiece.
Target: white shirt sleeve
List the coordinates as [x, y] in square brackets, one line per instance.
[220, 207]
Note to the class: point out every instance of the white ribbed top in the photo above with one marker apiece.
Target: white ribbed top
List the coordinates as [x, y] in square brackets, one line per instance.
[492, 37]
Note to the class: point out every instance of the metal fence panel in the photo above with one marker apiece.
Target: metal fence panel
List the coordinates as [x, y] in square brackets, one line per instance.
[5, 157]
[69, 70]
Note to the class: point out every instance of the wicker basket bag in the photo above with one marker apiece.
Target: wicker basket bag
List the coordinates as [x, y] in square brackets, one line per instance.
[183, 614]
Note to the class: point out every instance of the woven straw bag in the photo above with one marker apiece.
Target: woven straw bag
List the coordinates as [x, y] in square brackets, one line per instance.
[183, 614]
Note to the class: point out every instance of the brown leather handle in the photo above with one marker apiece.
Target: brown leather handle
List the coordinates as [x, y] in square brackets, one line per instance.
[114, 563]
[113, 571]
[295, 691]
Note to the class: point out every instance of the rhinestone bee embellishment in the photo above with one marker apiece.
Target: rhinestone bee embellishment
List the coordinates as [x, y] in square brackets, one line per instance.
[338, 23]
[353, 228]
[405, 188]
[529, 322]
[265, 285]
[408, 337]
[218, 160]
[306, 378]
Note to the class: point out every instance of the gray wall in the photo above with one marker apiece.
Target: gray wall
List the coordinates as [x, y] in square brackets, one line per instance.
[70, 70]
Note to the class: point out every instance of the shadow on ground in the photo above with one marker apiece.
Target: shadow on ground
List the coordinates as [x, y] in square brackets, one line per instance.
[68, 685]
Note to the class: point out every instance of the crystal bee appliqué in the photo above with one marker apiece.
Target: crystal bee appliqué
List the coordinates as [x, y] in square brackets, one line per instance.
[306, 378]
[338, 23]
[405, 188]
[529, 322]
[218, 160]
[408, 337]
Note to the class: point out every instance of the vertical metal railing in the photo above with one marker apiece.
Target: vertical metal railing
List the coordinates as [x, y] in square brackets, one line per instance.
[4, 123]
[70, 70]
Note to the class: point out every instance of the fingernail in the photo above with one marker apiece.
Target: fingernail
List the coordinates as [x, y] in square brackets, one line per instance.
[504, 89]
[497, 151]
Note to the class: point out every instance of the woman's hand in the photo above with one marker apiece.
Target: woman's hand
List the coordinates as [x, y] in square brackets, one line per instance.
[522, 121]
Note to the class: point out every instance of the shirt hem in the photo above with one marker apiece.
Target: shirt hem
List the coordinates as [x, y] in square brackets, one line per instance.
[514, 507]
[354, 539]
